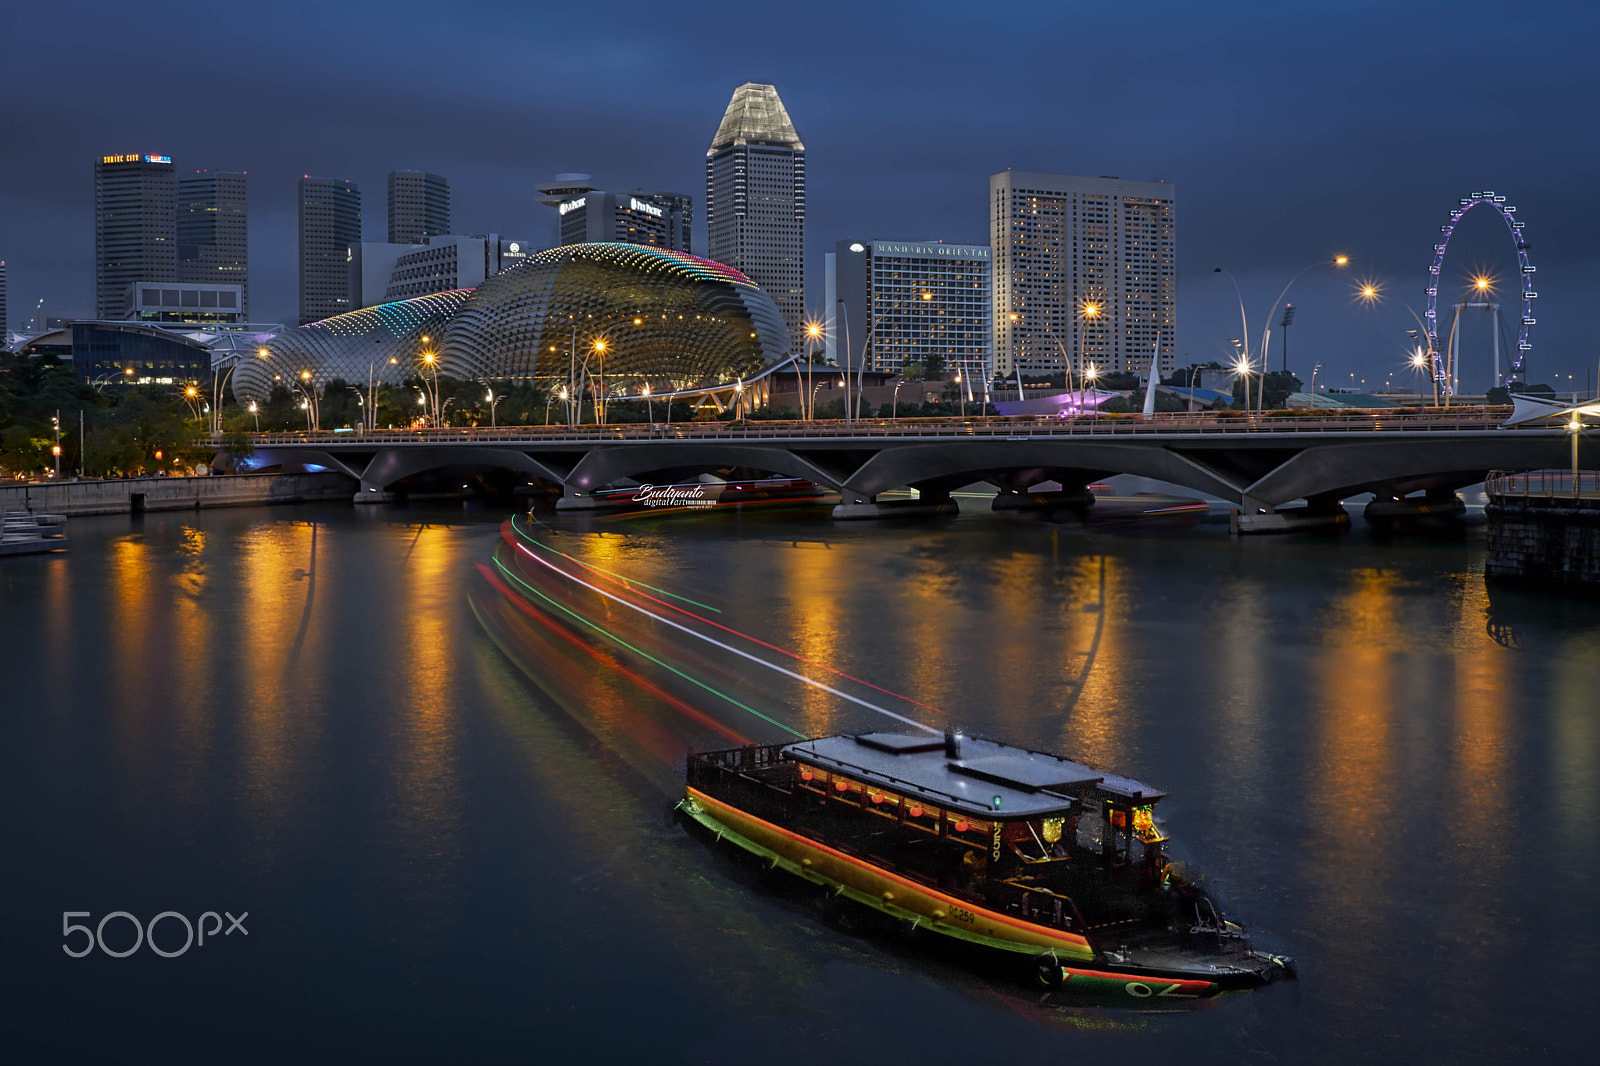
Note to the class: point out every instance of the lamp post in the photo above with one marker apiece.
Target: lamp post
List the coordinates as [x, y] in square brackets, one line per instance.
[1241, 368]
[813, 335]
[1092, 374]
[1288, 320]
[961, 395]
[1086, 314]
[649, 407]
[492, 401]
[56, 450]
[1266, 333]
[1574, 427]
[308, 397]
[738, 401]
[256, 412]
[894, 405]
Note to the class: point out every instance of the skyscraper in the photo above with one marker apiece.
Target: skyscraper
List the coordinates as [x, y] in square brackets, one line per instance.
[213, 238]
[330, 222]
[756, 198]
[634, 216]
[3, 326]
[1085, 272]
[135, 227]
[419, 206]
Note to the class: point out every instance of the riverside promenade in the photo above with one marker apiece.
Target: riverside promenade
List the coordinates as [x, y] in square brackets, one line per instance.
[136, 495]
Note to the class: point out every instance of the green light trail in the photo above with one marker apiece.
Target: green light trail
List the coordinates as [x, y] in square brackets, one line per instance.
[602, 570]
[501, 566]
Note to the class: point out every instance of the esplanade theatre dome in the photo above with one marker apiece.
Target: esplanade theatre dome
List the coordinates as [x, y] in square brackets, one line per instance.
[643, 315]
[384, 341]
[638, 315]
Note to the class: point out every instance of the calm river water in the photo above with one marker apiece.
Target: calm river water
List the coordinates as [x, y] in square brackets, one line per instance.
[450, 832]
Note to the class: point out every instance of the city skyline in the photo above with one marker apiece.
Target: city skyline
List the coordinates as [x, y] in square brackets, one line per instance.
[1280, 166]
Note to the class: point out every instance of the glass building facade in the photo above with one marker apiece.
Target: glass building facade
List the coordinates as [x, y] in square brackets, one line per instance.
[135, 227]
[330, 222]
[213, 234]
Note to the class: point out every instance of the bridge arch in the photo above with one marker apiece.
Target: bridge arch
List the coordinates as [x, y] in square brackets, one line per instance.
[1525, 271]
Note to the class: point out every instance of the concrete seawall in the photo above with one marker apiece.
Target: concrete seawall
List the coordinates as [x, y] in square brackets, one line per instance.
[1549, 543]
[127, 495]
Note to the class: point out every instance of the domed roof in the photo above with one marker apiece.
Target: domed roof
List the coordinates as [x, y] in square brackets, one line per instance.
[639, 314]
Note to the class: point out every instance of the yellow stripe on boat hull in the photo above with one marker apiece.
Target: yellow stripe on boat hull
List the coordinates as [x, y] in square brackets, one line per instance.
[881, 889]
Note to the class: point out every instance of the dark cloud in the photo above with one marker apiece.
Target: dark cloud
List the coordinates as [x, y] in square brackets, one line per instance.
[1290, 130]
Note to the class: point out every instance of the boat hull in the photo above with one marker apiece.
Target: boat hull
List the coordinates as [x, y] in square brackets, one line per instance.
[1061, 960]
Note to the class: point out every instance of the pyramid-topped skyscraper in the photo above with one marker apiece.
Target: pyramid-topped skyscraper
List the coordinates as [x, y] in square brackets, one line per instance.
[756, 198]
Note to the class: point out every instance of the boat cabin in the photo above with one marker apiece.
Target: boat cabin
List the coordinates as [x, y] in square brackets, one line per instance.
[972, 816]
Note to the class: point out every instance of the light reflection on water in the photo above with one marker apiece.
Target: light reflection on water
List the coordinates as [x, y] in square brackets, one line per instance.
[299, 709]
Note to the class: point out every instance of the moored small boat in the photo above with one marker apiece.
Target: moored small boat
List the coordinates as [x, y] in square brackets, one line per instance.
[1022, 853]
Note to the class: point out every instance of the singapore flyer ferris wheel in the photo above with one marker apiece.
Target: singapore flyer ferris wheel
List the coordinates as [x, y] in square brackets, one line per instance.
[1525, 271]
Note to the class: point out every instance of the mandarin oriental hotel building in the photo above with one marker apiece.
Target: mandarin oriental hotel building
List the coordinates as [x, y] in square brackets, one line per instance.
[904, 302]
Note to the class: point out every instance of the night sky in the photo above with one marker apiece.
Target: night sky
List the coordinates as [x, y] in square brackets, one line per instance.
[1292, 131]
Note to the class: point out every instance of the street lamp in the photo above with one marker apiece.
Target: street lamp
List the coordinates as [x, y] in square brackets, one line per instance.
[894, 404]
[650, 407]
[813, 336]
[1574, 427]
[256, 411]
[492, 402]
[1241, 368]
[1086, 314]
[1092, 374]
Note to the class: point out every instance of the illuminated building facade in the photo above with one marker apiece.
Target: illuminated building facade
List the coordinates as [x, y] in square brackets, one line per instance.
[663, 318]
[1063, 244]
[213, 234]
[419, 206]
[589, 215]
[330, 222]
[135, 227]
[923, 302]
[756, 198]
[4, 328]
[639, 315]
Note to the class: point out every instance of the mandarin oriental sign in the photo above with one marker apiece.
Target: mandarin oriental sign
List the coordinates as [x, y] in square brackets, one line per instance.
[943, 251]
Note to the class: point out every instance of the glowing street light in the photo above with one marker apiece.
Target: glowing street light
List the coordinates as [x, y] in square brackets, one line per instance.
[1091, 375]
[255, 411]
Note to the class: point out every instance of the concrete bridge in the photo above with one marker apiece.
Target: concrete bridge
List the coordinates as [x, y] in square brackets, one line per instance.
[1412, 462]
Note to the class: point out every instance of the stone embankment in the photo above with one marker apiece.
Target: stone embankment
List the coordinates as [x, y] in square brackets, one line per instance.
[135, 495]
[1543, 534]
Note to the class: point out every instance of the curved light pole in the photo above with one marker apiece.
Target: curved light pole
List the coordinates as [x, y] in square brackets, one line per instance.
[1370, 294]
[308, 398]
[256, 413]
[1266, 333]
[1092, 374]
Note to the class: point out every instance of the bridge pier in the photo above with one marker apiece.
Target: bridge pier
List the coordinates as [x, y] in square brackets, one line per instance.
[1256, 517]
[1435, 503]
[929, 503]
[1041, 501]
[370, 493]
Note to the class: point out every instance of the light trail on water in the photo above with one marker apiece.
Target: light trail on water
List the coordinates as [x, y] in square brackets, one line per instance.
[715, 643]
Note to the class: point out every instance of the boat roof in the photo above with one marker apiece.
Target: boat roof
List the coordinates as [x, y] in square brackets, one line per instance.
[1027, 783]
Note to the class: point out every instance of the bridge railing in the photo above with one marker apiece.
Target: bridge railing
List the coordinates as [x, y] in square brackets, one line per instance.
[1549, 485]
[1014, 427]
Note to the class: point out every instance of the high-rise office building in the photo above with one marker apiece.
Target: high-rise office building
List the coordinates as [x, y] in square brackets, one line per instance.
[213, 235]
[330, 223]
[135, 227]
[756, 199]
[3, 326]
[1085, 272]
[419, 206]
[633, 216]
[923, 302]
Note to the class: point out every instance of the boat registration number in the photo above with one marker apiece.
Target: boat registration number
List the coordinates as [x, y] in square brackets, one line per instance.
[960, 915]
